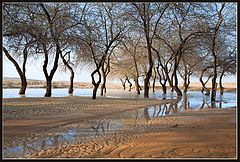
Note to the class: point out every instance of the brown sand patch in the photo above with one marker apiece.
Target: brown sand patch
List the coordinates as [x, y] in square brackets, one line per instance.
[23, 115]
[209, 133]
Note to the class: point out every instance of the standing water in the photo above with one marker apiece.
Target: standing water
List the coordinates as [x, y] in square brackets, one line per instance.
[105, 125]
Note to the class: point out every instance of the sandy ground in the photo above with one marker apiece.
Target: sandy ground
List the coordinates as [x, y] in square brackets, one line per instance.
[204, 134]
[24, 115]
[207, 133]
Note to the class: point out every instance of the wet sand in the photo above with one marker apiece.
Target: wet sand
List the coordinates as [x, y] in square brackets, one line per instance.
[206, 133]
[209, 133]
[25, 115]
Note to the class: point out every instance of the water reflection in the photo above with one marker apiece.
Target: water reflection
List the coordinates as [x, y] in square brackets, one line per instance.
[20, 147]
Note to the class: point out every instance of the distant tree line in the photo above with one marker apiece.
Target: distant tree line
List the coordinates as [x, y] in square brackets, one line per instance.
[125, 41]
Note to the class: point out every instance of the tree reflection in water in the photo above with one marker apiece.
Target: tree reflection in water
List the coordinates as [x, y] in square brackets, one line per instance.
[105, 125]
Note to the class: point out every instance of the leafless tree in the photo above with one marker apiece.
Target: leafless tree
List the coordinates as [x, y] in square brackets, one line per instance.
[214, 37]
[132, 47]
[67, 63]
[148, 15]
[17, 44]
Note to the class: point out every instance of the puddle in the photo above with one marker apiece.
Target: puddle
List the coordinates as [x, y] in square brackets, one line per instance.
[79, 132]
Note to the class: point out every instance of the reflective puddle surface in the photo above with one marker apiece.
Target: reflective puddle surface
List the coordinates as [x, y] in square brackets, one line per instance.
[19, 147]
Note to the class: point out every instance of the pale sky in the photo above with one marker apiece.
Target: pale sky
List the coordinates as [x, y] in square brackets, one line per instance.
[34, 71]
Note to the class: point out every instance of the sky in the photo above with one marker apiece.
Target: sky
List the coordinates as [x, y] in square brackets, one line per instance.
[34, 71]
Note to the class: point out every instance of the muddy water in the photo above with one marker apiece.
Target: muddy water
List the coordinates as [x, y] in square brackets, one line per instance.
[19, 147]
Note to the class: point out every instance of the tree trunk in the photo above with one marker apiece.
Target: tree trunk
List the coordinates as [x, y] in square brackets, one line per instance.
[23, 85]
[177, 90]
[146, 87]
[48, 88]
[95, 84]
[103, 86]
[21, 73]
[58, 53]
[164, 97]
[140, 88]
[186, 83]
[136, 85]
[216, 29]
[123, 83]
[105, 72]
[220, 83]
[164, 77]
[204, 88]
[70, 91]
[214, 85]
[130, 84]
[185, 79]
[164, 89]
[154, 79]
[213, 104]
[146, 81]
[55, 66]
[94, 96]
[171, 83]
[150, 61]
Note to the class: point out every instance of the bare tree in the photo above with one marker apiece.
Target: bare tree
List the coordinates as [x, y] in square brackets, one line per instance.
[58, 15]
[49, 77]
[67, 65]
[100, 36]
[154, 78]
[227, 64]
[132, 47]
[164, 64]
[214, 37]
[113, 29]
[183, 29]
[15, 40]
[149, 16]
[191, 61]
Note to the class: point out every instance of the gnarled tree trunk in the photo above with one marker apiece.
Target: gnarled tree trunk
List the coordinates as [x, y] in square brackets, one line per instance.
[137, 87]
[148, 75]
[204, 88]
[48, 88]
[103, 85]
[58, 52]
[130, 84]
[154, 79]
[23, 85]
[95, 84]
[52, 72]
[216, 29]
[123, 83]
[70, 90]
[21, 73]
[105, 72]
[175, 87]
[220, 83]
